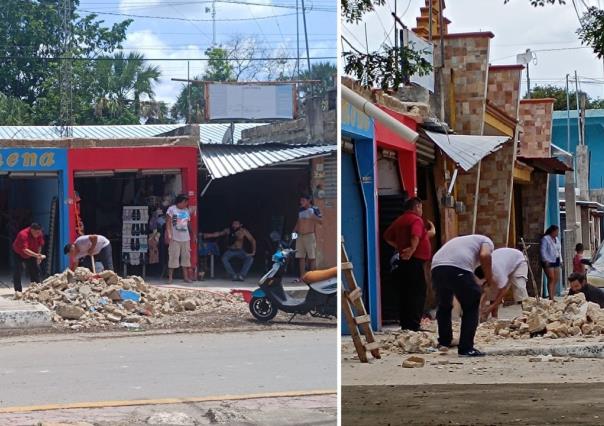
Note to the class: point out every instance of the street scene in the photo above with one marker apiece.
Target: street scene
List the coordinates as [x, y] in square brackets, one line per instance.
[471, 179]
[168, 213]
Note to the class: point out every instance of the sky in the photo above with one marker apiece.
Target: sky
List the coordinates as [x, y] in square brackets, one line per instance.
[180, 29]
[548, 31]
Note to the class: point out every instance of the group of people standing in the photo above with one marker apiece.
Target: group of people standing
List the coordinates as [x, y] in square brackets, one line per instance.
[467, 268]
[27, 246]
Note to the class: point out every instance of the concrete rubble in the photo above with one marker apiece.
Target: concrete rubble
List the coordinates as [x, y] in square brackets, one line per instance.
[409, 342]
[573, 316]
[81, 300]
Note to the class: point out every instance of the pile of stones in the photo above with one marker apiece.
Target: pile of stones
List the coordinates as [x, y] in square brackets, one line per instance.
[573, 316]
[81, 299]
[411, 342]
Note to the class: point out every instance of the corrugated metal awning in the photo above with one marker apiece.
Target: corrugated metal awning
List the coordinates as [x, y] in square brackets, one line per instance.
[467, 150]
[550, 165]
[226, 160]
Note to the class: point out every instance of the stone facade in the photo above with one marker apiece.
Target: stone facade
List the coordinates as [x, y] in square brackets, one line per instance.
[318, 126]
[495, 195]
[465, 75]
[535, 116]
[504, 87]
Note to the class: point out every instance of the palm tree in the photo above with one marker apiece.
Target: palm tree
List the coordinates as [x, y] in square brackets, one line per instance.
[121, 83]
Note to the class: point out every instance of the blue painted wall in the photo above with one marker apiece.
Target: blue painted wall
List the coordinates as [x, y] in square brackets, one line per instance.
[594, 139]
[39, 191]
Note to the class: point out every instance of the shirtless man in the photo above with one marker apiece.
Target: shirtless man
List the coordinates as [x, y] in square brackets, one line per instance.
[237, 234]
[306, 245]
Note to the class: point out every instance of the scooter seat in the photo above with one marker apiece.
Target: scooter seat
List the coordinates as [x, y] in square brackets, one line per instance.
[321, 275]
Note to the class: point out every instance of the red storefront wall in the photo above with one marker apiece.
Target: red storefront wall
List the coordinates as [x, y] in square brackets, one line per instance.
[405, 149]
[182, 158]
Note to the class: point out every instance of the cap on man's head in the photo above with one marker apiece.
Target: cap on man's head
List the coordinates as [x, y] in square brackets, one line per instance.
[35, 226]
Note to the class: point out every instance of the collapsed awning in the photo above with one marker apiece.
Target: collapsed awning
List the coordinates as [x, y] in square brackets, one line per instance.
[551, 165]
[226, 160]
[467, 150]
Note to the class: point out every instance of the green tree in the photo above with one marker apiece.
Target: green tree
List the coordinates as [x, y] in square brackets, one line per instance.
[559, 94]
[323, 71]
[32, 31]
[13, 112]
[180, 109]
[386, 68]
[219, 66]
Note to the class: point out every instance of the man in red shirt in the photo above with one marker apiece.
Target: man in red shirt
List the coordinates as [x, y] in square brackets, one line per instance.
[27, 249]
[410, 236]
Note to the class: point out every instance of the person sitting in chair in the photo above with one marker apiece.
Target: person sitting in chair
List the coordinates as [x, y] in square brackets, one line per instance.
[237, 234]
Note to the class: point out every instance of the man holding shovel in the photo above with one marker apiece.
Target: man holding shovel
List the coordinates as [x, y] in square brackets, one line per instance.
[90, 245]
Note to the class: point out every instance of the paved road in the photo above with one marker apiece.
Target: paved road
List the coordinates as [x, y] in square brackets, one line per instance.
[48, 370]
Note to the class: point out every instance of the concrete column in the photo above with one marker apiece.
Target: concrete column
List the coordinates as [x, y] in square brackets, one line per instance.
[585, 227]
[582, 165]
[570, 233]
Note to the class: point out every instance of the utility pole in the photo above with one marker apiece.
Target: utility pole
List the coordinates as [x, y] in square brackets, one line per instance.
[213, 23]
[582, 150]
[297, 42]
[307, 49]
[570, 201]
[528, 76]
[65, 84]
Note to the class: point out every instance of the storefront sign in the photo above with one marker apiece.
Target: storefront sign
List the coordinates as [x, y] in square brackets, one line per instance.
[18, 159]
[356, 122]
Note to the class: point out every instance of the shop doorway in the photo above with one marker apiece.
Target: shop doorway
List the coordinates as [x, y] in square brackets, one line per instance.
[264, 200]
[103, 198]
[27, 197]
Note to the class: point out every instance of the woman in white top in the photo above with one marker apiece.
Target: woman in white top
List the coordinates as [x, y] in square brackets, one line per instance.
[550, 258]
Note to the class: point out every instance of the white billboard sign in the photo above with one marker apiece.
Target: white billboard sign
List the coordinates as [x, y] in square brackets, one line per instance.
[427, 52]
[249, 101]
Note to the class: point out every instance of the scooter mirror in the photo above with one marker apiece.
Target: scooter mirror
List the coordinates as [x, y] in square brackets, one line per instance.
[294, 235]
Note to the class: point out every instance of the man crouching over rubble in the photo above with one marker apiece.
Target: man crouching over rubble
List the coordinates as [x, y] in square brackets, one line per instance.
[510, 269]
[453, 275]
[578, 284]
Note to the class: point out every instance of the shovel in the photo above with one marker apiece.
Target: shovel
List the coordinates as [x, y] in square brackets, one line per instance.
[525, 252]
[93, 264]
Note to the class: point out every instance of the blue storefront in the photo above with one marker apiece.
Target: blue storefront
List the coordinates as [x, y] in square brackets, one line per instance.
[359, 205]
[33, 188]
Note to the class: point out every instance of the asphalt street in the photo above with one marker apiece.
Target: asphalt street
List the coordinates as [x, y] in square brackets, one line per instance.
[48, 370]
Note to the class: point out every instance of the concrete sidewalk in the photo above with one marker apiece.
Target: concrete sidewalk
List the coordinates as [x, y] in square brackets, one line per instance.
[20, 314]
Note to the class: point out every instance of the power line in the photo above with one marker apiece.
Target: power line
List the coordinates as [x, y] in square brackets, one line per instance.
[172, 18]
[57, 58]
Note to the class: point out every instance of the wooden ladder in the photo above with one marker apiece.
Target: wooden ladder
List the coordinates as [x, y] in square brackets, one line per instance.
[352, 304]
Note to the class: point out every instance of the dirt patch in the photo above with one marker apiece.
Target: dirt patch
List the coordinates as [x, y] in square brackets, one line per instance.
[497, 404]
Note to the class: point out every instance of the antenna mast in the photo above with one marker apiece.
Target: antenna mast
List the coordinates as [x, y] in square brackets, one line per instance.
[65, 72]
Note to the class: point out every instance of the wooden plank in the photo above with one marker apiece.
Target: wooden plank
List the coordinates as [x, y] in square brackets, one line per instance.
[372, 346]
[354, 294]
[362, 319]
[346, 266]
[354, 332]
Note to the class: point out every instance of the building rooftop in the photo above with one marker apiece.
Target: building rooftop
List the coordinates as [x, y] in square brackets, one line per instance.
[562, 115]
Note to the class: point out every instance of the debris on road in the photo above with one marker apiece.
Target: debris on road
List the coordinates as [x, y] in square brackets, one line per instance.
[573, 316]
[414, 362]
[82, 299]
[410, 342]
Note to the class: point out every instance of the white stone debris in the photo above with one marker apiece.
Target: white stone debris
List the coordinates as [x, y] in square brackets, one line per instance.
[82, 300]
[573, 316]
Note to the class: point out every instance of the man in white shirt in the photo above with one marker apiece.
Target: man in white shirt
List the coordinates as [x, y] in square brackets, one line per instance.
[178, 228]
[510, 269]
[453, 275]
[90, 245]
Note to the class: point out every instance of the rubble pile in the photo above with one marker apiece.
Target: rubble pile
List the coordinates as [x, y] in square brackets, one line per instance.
[573, 316]
[409, 342]
[81, 299]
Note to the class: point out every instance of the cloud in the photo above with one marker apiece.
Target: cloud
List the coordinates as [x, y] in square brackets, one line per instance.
[516, 25]
[152, 46]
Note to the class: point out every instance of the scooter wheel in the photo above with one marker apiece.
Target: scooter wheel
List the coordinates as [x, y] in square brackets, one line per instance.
[262, 309]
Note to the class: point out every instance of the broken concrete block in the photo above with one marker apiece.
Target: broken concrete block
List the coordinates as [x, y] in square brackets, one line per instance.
[69, 311]
[189, 305]
[414, 362]
[536, 324]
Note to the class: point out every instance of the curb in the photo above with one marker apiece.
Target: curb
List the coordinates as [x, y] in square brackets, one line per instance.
[594, 350]
[36, 316]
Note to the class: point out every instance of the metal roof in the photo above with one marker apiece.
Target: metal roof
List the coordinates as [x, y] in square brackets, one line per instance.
[467, 150]
[551, 165]
[208, 132]
[214, 132]
[226, 160]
